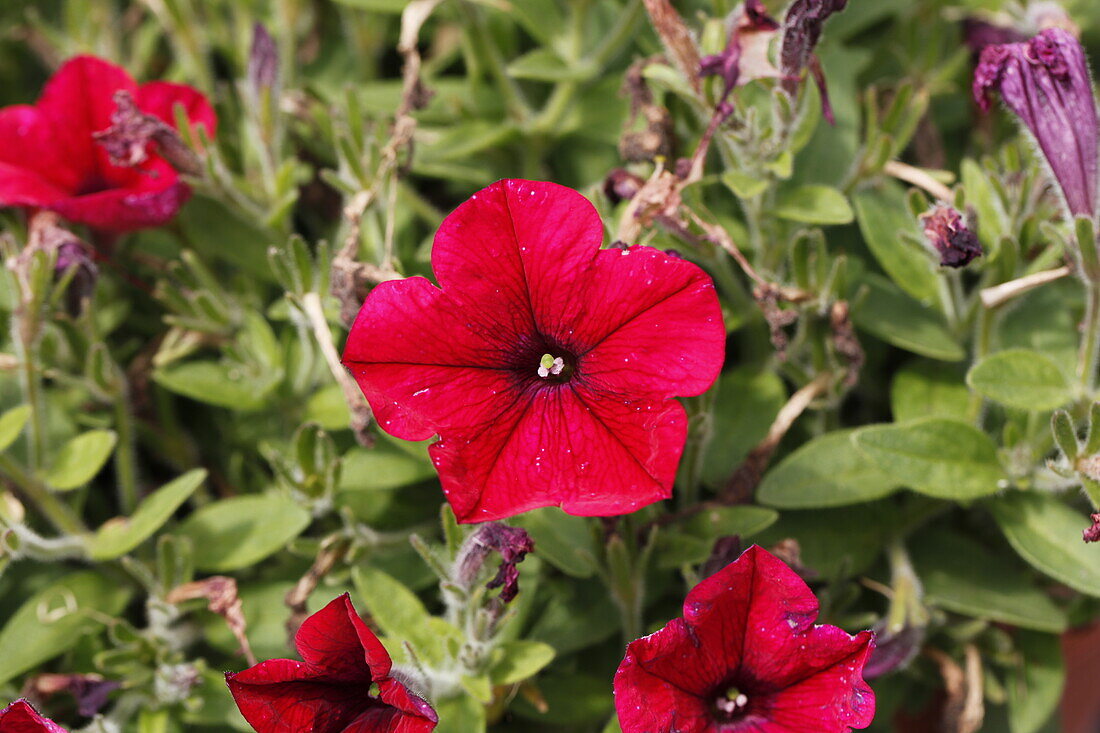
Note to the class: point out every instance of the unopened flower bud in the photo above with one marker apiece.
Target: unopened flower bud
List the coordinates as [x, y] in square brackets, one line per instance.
[949, 235]
[1046, 82]
[263, 61]
[893, 650]
[621, 185]
[73, 253]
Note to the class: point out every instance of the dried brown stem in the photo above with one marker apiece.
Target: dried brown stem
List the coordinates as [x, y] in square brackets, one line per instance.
[998, 295]
[332, 551]
[220, 593]
[676, 38]
[919, 178]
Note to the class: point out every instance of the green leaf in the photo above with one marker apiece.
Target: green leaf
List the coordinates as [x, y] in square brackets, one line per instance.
[883, 216]
[401, 615]
[80, 459]
[12, 423]
[215, 384]
[377, 6]
[54, 618]
[563, 540]
[743, 185]
[515, 661]
[748, 401]
[574, 614]
[234, 533]
[542, 64]
[981, 194]
[924, 389]
[827, 471]
[694, 539]
[1035, 682]
[1047, 534]
[1020, 378]
[381, 468]
[813, 204]
[120, 535]
[899, 320]
[327, 408]
[573, 700]
[935, 456]
[961, 575]
[460, 714]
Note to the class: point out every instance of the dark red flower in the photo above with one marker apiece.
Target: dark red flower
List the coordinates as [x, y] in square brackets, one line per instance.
[746, 656]
[50, 158]
[329, 690]
[953, 241]
[20, 717]
[545, 364]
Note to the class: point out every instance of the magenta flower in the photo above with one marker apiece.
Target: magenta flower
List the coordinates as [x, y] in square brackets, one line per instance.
[950, 237]
[1045, 81]
[545, 364]
[329, 690]
[20, 717]
[51, 159]
[746, 658]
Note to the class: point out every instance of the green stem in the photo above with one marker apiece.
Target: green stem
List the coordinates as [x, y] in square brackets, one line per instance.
[625, 28]
[1090, 340]
[29, 379]
[514, 98]
[55, 510]
[700, 432]
[125, 463]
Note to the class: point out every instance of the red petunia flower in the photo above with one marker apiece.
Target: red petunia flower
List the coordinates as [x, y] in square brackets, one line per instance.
[545, 364]
[20, 717]
[746, 657]
[50, 158]
[329, 691]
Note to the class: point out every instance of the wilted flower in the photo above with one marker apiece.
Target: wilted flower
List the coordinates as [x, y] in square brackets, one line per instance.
[329, 690]
[90, 691]
[746, 656]
[978, 33]
[952, 239]
[51, 160]
[522, 277]
[1046, 82]
[20, 717]
[802, 27]
[1092, 534]
[621, 185]
[513, 544]
[746, 54]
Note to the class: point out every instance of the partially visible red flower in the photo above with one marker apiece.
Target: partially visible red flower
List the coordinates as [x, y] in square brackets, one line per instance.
[329, 690]
[746, 657]
[20, 717]
[50, 159]
[545, 364]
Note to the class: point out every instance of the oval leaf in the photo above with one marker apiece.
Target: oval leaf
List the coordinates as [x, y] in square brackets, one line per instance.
[827, 471]
[925, 389]
[883, 216]
[890, 315]
[80, 459]
[120, 535]
[1047, 534]
[935, 456]
[517, 660]
[214, 384]
[11, 425]
[1020, 378]
[961, 575]
[813, 204]
[238, 532]
[48, 622]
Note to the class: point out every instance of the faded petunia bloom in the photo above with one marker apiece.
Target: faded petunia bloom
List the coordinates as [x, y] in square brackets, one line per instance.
[51, 159]
[523, 283]
[950, 237]
[329, 690]
[1092, 534]
[746, 658]
[20, 717]
[746, 54]
[1046, 82]
[802, 28]
[513, 544]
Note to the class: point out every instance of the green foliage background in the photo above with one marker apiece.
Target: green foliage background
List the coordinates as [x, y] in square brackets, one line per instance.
[195, 381]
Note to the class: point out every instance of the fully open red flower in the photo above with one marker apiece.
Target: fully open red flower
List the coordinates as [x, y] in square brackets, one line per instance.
[49, 158]
[329, 690]
[545, 364]
[20, 717]
[746, 656]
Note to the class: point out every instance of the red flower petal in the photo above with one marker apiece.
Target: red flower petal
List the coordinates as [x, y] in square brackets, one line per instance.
[337, 642]
[32, 170]
[20, 717]
[749, 627]
[562, 445]
[161, 97]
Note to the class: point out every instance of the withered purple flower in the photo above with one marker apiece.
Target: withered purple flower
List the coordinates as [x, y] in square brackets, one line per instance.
[263, 60]
[1046, 82]
[746, 54]
[1092, 534]
[513, 544]
[802, 28]
[949, 235]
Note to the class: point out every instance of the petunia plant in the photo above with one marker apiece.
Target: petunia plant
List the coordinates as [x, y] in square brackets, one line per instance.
[603, 366]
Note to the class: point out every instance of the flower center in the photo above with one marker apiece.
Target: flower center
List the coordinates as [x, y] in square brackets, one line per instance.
[554, 367]
[731, 705]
